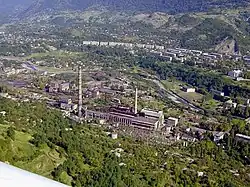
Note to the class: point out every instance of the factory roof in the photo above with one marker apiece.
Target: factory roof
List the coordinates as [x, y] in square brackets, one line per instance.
[152, 113]
[122, 114]
[106, 90]
[243, 136]
[171, 118]
[145, 120]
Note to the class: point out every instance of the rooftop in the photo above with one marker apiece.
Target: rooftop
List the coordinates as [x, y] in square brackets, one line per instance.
[152, 113]
[171, 118]
[243, 136]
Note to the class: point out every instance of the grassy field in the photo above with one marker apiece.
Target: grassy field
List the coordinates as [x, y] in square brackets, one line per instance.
[172, 84]
[25, 155]
[211, 104]
[191, 97]
[55, 70]
[56, 54]
[176, 86]
[173, 112]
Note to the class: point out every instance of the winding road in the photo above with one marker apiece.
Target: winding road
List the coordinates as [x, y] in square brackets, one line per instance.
[174, 97]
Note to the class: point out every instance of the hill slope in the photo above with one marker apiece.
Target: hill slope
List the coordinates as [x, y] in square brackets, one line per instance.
[173, 6]
[12, 6]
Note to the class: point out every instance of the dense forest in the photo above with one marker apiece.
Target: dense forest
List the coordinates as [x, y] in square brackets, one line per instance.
[44, 142]
[196, 77]
[209, 32]
[171, 6]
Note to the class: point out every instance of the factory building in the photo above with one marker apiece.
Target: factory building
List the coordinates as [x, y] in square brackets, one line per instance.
[54, 87]
[104, 43]
[124, 119]
[68, 107]
[216, 92]
[196, 52]
[173, 55]
[172, 121]
[64, 87]
[188, 89]
[235, 73]
[166, 58]
[146, 119]
[218, 55]
[157, 115]
[242, 137]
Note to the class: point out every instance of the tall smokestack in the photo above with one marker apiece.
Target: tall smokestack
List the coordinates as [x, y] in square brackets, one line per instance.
[136, 95]
[80, 92]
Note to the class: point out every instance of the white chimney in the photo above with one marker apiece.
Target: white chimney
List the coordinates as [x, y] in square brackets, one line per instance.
[136, 95]
[80, 92]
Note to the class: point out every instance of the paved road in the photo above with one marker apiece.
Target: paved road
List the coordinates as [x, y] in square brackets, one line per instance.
[176, 98]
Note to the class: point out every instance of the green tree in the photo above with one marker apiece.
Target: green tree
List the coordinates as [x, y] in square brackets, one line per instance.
[11, 133]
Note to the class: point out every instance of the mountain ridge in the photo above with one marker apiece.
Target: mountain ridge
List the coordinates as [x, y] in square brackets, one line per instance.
[169, 6]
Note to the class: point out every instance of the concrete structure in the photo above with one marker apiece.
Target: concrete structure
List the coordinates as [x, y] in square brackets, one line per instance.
[230, 104]
[166, 58]
[136, 96]
[156, 53]
[112, 44]
[188, 89]
[104, 43]
[207, 56]
[64, 87]
[95, 43]
[5, 95]
[86, 42]
[149, 46]
[241, 137]
[66, 100]
[182, 50]
[173, 55]
[188, 138]
[247, 120]
[107, 91]
[176, 51]
[218, 136]
[166, 128]
[218, 55]
[159, 47]
[68, 106]
[114, 136]
[131, 120]
[237, 57]
[54, 87]
[235, 73]
[140, 45]
[157, 115]
[247, 101]
[246, 59]
[172, 121]
[196, 52]
[216, 92]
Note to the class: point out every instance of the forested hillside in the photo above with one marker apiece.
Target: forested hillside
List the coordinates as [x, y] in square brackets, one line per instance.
[171, 6]
[13, 6]
[44, 142]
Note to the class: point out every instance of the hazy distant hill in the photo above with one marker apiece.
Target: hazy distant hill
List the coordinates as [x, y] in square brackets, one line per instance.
[173, 6]
[13, 6]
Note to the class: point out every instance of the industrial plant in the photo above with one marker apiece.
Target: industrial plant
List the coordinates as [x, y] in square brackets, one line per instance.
[146, 119]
